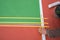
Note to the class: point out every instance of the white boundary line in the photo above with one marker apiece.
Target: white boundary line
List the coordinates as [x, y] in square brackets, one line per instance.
[42, 20]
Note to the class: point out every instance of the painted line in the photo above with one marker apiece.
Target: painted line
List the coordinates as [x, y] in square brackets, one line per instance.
[21, 18]
[29, 26]
[23, 22]
[42, 20]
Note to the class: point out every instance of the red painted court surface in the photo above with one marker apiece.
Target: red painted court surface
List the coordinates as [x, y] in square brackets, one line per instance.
[50, 14]
[31, 33]
[19, 34]
[52, 20]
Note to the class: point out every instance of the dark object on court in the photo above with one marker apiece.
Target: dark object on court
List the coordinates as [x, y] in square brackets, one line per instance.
[53, 33]
[57, 11]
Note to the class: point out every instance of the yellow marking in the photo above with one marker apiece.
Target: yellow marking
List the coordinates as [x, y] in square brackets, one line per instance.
[21, 18]
[24, 22]
[29, 26]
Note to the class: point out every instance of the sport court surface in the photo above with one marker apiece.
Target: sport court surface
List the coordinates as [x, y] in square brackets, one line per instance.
[24, 12]
[14, 14]
[19, 11]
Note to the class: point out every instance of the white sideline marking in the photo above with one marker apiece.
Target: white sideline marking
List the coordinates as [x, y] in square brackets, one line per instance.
[54, 4]
[42, 20]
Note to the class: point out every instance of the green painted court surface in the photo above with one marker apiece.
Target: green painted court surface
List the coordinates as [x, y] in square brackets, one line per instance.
[14, 11]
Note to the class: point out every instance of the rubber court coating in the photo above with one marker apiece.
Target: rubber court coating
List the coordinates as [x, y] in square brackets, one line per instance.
[19, 8]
